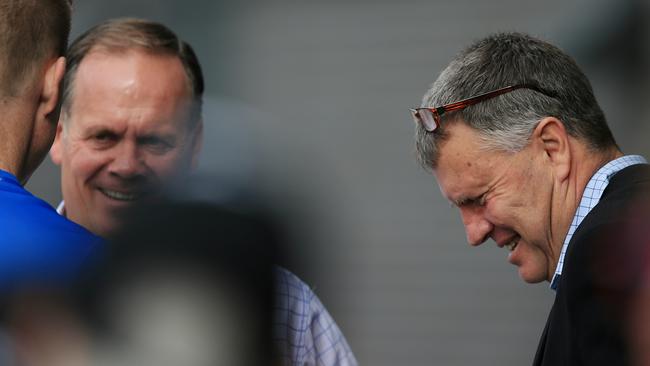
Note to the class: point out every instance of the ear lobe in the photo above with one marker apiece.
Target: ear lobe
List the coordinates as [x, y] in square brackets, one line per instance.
[197, 144]
[553, 139]
[50, 96]
[55, 150]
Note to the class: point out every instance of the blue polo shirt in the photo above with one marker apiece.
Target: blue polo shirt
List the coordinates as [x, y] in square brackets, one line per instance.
[36, 243]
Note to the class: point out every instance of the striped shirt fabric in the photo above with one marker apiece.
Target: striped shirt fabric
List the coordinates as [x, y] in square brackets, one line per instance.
[304, 332]
[590, 197]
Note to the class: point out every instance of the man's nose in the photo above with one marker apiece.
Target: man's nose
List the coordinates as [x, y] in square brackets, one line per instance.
[127, 162]
[477, 227]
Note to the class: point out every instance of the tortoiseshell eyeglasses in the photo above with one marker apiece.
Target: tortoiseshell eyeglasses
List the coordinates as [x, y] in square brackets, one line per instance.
[429, 118]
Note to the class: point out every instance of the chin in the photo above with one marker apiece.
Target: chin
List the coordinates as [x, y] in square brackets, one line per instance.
[108, 227]
[532, 276]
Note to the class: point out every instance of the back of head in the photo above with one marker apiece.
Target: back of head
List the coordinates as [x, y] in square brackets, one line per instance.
[31, 32]
[507, 121]
[127, 34]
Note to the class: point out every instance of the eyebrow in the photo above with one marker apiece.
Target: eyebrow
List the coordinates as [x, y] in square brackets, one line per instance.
[90, 131]
[157, 135]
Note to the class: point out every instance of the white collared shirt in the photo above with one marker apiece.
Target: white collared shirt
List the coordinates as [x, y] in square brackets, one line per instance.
[590, 198]
[60, 209]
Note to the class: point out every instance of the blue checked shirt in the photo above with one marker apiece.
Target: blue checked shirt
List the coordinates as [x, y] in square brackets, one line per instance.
[590, 197]
[304, 332]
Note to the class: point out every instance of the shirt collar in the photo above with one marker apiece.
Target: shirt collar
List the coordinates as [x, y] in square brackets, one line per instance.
[60, 209]
[8, 177]
[590, 197]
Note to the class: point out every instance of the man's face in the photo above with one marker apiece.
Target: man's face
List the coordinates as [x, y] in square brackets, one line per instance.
[504, 196]
[128, 129]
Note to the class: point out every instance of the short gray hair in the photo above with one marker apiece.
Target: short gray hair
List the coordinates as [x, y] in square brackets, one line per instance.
[507, 121]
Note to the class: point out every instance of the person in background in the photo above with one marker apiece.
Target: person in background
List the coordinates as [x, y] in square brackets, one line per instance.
[130, 121]
[131, 124]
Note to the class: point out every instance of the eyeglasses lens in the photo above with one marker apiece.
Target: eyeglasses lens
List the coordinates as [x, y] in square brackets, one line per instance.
[428, 119]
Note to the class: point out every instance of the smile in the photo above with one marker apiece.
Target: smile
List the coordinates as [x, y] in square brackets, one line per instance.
[120, 196]
[512, 244]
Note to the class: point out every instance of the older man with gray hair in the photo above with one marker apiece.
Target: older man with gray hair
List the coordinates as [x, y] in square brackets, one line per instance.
[516, 140]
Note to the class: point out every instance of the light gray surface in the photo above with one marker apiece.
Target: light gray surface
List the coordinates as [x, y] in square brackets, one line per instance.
[310, 99]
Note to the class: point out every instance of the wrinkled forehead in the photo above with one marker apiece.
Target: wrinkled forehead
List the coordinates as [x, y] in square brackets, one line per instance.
[456, 179]
[462, 162]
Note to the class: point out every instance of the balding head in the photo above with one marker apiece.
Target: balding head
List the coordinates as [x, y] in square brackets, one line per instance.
[122, 35]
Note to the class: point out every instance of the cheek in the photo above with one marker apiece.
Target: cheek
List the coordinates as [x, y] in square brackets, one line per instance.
[505, 212]
[498, 212]
[85, 163]
[172, 163]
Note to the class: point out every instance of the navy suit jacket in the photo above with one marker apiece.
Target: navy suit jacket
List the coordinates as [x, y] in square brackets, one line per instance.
[587, 323]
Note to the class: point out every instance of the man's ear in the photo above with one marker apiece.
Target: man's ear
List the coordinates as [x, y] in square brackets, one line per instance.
[197, 145]
[551, 138]
[55, 150]
[49, 105]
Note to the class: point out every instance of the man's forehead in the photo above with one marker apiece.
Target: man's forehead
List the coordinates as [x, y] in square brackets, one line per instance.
[107, 82]
[455, 185]
[460, 150]
[102, 67]
[462, 164]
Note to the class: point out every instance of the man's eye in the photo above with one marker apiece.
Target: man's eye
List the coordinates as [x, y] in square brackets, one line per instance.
[104, 137]
[156, 145]
[475, 201]
[481, 200]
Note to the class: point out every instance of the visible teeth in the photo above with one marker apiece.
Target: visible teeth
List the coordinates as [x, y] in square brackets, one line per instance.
[119, 195]
[512, 245]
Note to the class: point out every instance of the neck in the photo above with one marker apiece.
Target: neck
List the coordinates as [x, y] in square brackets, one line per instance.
[17, 128]
[584, 164]
[587, 164]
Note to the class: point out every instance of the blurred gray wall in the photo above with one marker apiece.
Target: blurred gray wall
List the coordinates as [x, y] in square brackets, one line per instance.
[309, 100]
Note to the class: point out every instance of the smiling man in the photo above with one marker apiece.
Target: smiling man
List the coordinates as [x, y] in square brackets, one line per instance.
[131, 119]
[517, 141]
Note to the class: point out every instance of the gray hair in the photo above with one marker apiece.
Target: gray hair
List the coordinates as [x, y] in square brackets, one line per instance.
[506, 122]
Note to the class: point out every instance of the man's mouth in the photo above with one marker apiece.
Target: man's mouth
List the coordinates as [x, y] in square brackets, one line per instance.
[121, 196]
[512, 244]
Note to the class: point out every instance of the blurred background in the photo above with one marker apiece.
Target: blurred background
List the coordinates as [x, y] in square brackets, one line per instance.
[308, 100]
